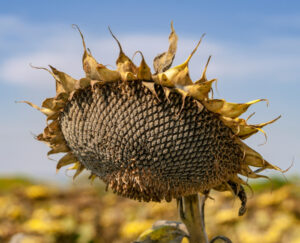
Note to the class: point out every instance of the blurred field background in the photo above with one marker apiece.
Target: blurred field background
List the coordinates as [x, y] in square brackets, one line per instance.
[85, 213]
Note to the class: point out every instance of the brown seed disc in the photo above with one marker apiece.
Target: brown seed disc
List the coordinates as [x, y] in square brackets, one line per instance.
[146, 147]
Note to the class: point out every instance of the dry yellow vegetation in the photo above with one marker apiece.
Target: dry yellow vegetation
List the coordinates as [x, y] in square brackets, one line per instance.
[42, 213]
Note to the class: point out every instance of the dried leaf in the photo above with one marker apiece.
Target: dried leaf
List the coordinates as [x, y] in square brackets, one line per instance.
[177, 76]
[59, 148]
[92, 177]
[253, 158]
[228, 109]
[151, 87]
[53, 104]
[249, 130]
[143, 72]
[54, 126]
[82, 83]
[163, 61]
[67, 82]
[59, 87]
[88, 61]
[78, 170]
[246, 171]
[124, 64]
[203, 77]
[66, 160]
[106, 74]
[162, 79]
[240, 127]
[200, 90]
[46, 111]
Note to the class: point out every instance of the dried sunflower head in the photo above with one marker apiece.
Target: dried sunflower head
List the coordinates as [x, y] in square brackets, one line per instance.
[150, 136]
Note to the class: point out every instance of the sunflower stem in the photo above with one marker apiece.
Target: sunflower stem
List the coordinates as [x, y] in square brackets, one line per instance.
[191, 211]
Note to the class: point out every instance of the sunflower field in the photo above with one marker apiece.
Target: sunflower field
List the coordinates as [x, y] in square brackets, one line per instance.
[32, 212]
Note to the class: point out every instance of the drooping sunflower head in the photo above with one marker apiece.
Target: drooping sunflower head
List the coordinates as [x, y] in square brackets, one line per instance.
[150, 136]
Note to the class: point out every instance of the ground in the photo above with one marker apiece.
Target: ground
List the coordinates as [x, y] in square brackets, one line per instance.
[39, 212]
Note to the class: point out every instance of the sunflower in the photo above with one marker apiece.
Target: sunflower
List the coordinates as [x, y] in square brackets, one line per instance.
[150, 136]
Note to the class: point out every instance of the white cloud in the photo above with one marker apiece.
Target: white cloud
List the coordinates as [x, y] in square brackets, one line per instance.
[274, 59]
[17, 70]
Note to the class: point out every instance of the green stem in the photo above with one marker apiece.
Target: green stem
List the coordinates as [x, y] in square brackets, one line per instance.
[191, 211]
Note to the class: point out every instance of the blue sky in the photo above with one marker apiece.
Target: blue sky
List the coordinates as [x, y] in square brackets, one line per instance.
[255, 47]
